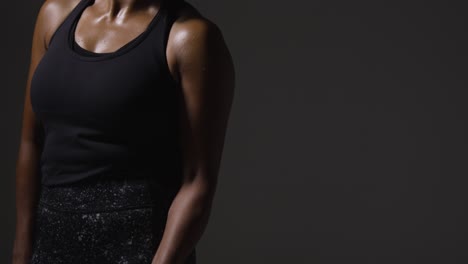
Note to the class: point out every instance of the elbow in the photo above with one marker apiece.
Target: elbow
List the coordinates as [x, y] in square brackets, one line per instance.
[201, 188]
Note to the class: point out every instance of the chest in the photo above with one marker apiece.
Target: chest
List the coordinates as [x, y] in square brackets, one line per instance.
[109, 91]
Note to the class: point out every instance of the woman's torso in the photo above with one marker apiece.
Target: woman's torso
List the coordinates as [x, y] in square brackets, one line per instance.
[111, 115]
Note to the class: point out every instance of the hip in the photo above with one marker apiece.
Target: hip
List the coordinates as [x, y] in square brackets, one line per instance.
[99, 222]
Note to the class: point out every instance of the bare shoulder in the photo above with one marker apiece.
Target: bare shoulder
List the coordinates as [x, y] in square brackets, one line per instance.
[51, 14]
[193, 30]
[196, 47]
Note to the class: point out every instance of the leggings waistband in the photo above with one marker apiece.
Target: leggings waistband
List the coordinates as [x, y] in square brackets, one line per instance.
[103, 195]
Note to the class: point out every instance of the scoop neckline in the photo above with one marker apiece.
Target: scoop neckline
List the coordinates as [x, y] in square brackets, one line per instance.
[107, 55]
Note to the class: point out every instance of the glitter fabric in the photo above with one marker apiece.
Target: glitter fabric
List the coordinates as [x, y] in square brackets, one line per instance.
[112, 221]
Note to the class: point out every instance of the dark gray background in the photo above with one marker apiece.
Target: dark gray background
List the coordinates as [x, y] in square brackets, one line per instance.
[347, 139]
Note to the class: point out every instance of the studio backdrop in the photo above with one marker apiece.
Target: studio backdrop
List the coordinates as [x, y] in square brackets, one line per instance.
[347, 141]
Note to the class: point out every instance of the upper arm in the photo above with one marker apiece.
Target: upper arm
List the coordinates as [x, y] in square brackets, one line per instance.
[49, 17]
[206, 76]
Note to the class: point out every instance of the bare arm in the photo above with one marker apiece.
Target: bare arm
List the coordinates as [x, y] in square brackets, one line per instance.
[27, 184]
[207, 76]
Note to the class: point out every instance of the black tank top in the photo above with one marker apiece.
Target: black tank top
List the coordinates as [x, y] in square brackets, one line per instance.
[108, 115]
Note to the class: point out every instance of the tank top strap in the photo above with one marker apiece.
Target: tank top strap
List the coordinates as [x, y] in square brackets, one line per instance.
[159, 36]
[61, 33]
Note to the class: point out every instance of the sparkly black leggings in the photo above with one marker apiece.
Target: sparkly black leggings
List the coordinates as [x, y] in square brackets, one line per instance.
[101, 222]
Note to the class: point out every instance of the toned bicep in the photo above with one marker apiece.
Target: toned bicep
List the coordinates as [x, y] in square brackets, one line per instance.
[207, 81]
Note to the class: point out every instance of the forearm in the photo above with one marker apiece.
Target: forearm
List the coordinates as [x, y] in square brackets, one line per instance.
[187, 219]
[26, 199]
